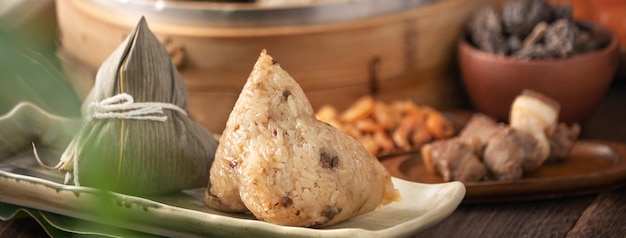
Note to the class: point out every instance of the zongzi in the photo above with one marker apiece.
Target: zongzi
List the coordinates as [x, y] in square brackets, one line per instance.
[278, 161]
[136, 136]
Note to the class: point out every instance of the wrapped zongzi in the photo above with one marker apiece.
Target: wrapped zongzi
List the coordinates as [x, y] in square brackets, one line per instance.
[136, 136]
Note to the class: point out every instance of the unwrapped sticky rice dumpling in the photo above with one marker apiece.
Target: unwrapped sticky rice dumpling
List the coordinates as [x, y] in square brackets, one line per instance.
[136, 137]
[276, 160]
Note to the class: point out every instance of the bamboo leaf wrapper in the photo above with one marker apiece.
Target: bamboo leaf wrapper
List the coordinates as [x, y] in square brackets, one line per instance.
[137, 137]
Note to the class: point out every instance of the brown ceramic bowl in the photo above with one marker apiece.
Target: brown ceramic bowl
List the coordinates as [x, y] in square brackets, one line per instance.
[578, 83]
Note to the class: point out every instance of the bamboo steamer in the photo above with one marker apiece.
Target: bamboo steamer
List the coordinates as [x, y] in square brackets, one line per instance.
[407, 54]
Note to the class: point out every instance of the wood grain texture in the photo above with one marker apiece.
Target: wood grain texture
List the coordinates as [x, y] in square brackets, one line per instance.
[524, 219]
[605, 217]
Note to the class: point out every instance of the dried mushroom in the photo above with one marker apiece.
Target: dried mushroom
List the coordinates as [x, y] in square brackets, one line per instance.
[486, 31]
[562, 11]
[560, 37]
[529, 29]
[520, 16]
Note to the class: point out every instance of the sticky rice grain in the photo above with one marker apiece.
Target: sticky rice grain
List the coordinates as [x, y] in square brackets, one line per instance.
[280, 163]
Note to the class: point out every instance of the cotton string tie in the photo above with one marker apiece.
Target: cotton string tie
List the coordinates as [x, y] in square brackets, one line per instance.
[123, 106]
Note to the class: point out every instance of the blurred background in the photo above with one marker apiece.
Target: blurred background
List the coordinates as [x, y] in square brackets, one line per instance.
[29, 68]
[337, 50]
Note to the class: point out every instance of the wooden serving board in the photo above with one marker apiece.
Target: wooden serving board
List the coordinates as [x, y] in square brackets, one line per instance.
[592, 166]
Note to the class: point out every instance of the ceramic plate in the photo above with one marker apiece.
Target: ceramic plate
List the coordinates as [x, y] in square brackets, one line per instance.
[590, 167]
[24, 184]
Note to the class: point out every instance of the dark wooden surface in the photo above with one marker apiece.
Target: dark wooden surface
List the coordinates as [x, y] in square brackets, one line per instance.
[594, 215]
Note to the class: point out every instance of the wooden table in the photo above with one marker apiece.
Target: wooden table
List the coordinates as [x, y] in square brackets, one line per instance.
[594, 215]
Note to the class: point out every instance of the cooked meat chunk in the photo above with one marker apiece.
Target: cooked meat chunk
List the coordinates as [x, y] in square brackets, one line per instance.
[481, 127]
[454, 159]
[562, 141]
[507, 151]
[510, 152]
[537, 114]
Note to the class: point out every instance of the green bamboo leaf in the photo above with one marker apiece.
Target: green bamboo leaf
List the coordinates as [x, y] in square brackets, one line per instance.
[26, 75]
